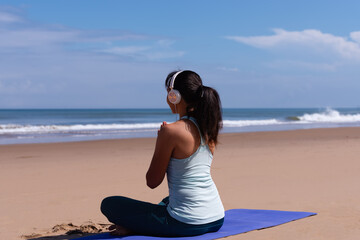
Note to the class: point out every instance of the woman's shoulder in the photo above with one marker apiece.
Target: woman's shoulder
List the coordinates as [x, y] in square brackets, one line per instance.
[179, 131]
[183, 136]
[167, 130]
[173, 129]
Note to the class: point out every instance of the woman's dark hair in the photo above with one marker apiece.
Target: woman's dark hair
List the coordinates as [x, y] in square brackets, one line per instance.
[203, 103]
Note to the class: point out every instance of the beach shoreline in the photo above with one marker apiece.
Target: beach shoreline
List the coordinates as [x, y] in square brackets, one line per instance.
[316, 170]
[18, 126]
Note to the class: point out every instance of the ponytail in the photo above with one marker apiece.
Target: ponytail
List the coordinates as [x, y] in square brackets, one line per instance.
[208, 113]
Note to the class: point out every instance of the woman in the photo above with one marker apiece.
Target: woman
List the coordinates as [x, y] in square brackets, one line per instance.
[184, 151]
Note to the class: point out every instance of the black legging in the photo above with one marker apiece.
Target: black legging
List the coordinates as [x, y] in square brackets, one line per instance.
[149, 219]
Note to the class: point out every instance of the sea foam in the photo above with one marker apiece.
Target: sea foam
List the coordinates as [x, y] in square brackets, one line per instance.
[19, 129]
[245, 123]
[329, 115]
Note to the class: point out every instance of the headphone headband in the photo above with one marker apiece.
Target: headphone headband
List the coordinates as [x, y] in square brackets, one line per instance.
[172, 81]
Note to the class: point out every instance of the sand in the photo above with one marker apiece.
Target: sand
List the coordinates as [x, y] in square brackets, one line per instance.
[316, 170]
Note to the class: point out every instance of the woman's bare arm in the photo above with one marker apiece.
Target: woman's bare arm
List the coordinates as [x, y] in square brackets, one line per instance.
[159, 163]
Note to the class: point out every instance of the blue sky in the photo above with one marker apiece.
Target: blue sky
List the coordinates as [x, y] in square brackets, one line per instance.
[116, 54]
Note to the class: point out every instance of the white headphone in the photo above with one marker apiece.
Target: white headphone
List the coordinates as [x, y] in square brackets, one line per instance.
[174, 95]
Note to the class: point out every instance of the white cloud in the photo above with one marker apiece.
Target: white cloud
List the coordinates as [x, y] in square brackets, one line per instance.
[111, 36]
[355, 36]
[128, 50]
[144, 52]
[307, 39]
[29, 37]
[34, 37]
[165, 42]
[158, 55]
[47, 36]
[9, 18]
[228, 69]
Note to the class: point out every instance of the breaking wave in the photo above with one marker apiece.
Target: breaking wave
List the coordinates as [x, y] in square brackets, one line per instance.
[245, 123]
[19, 129]
[329, 115]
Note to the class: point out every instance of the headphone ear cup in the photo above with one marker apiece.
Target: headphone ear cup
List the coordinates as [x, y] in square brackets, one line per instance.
[174, 96]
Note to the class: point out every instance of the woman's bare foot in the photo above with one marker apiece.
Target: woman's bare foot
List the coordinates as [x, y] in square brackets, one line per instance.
[117, 230]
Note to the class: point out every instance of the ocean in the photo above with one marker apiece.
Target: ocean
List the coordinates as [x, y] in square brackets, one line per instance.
[64, 125]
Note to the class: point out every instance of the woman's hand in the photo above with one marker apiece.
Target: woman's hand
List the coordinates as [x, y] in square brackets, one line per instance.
[162, 125]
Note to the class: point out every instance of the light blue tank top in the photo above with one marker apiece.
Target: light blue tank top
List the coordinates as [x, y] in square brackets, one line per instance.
[193, 196]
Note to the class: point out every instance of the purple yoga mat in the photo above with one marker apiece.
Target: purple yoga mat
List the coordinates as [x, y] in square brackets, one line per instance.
[236, 221]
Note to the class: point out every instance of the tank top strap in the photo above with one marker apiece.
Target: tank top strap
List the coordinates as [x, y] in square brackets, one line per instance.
[197, 126]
